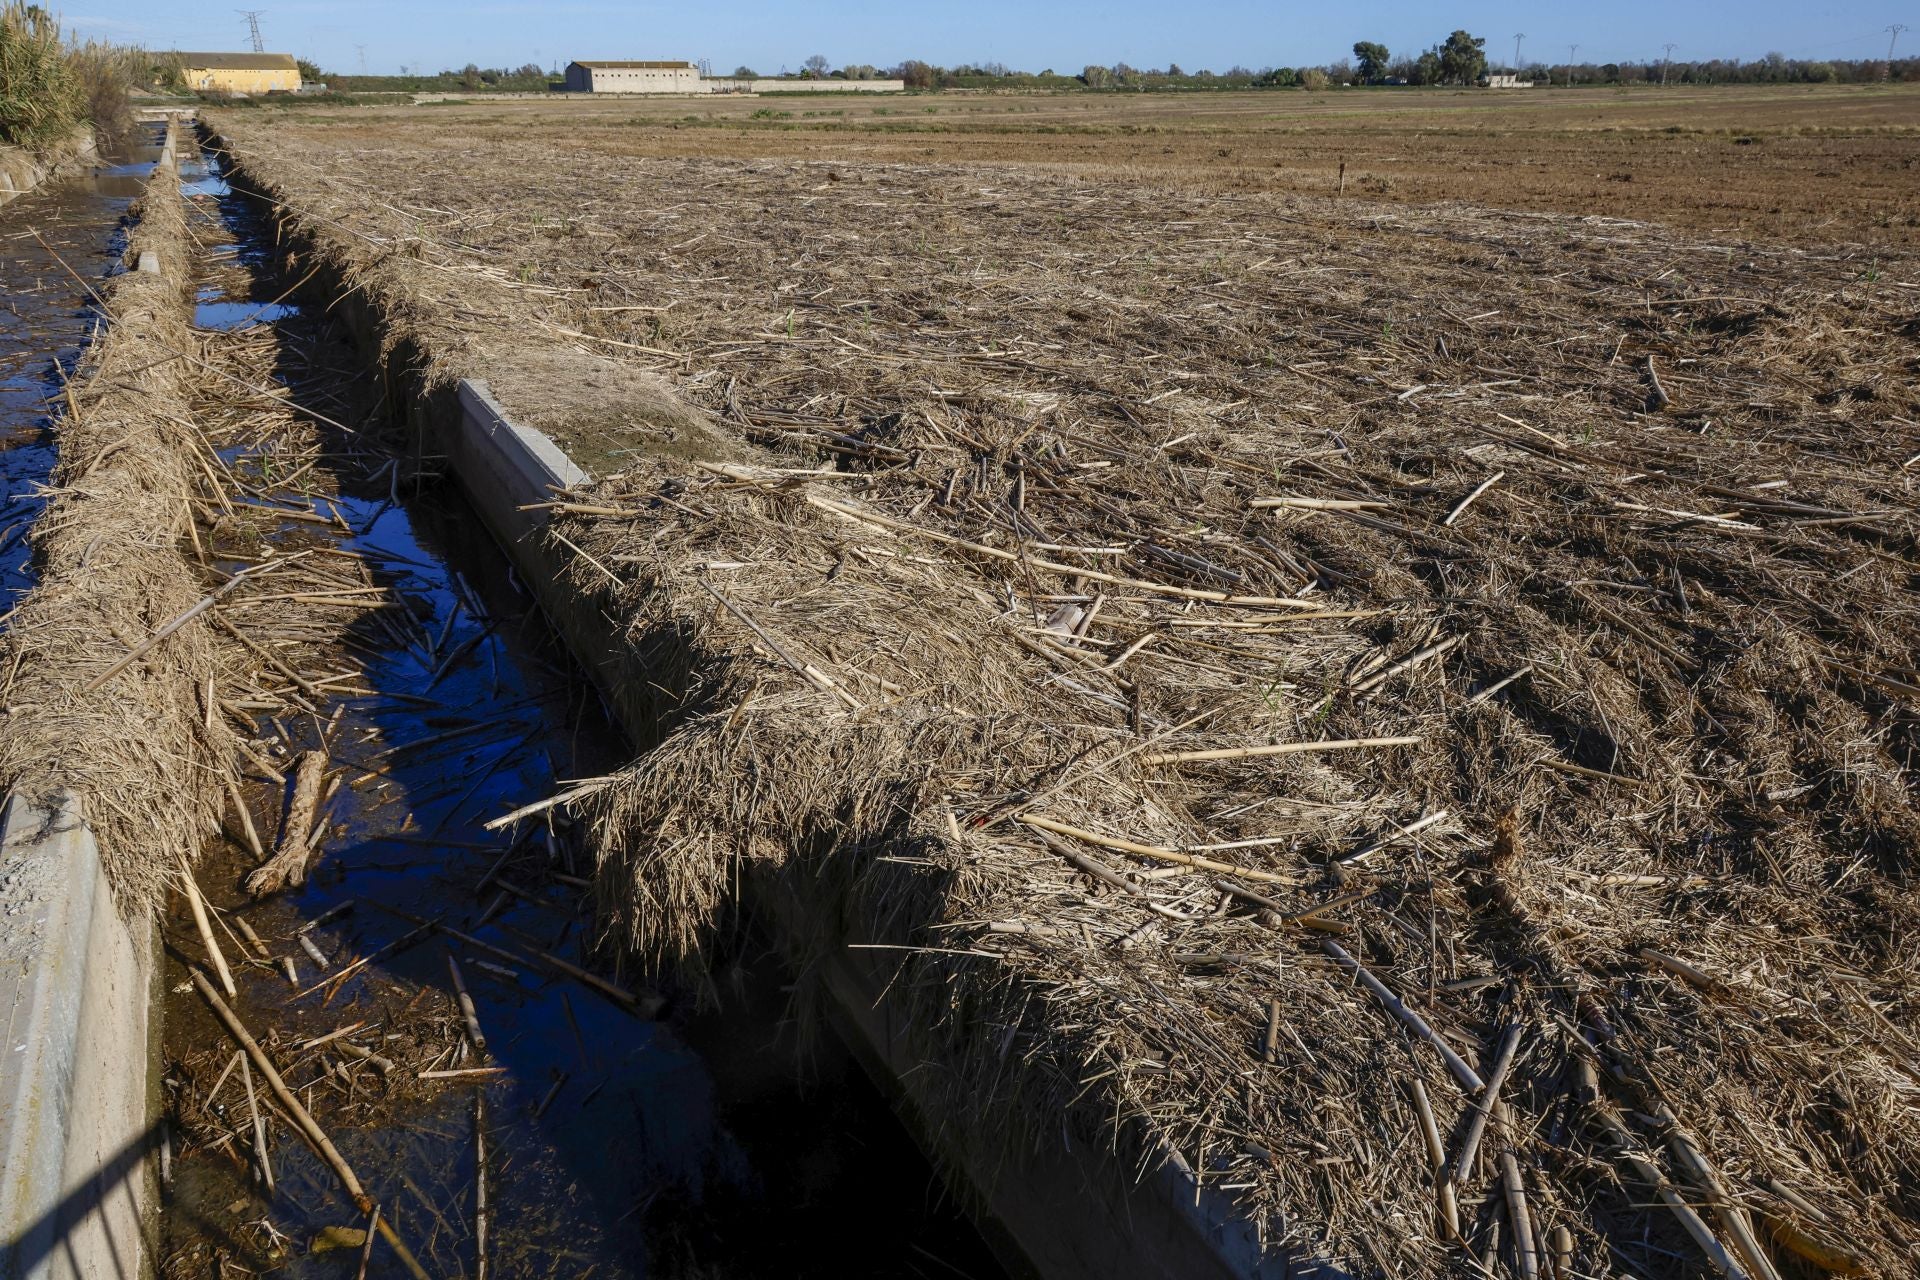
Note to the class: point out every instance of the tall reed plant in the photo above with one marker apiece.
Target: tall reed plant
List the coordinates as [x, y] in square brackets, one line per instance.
[40, 97]
[48, 85]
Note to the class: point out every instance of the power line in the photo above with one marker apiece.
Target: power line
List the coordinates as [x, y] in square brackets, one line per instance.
[1517, 38]
[362, 51]
[1571, 50]
[1893, 34]
[1667, 62]
[253, 27]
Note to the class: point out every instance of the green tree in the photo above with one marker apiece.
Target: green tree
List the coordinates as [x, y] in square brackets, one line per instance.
[1427, 69]
[915, 74]
[1463, 58]
[309, 71]
[745, 73]
[1096, 77]
[1372, 57]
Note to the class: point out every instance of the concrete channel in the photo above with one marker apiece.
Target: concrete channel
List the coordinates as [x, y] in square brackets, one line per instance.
[1073, 1210]
[744, 1141]
[82, 1138]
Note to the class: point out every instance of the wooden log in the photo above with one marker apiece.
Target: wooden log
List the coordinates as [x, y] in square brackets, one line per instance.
[288, 866]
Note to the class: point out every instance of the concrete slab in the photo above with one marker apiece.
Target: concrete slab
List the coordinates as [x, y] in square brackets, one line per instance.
[76, 987]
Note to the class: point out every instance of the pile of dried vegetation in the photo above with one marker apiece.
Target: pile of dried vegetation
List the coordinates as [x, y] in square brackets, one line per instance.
[1405, 714]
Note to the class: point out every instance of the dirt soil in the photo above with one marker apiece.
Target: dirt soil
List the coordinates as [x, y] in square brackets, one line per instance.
[1803, 164]
[1051, 512]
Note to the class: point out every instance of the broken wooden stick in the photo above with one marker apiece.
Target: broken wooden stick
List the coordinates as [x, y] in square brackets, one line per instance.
[467, 1011]
[1483, 1106]
[303, 1118]
[1466, 1075]
[1278, 749]
[200, 922]
[259, 1127]
[1468, 501]
[1153, 851]
[1520, 1219]
[1447, 1204]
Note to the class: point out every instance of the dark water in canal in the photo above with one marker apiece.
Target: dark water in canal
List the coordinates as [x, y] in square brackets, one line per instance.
[57, 243]
[613, 1140]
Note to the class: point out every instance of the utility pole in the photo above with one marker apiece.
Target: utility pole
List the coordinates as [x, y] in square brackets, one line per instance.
[1893, 34]
[362, 51]
[1667, 63]
[1571, 50]
[1517, 38]
[253, 27]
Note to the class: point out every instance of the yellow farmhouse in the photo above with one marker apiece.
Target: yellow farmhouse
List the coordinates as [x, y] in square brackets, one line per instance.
[240, 72]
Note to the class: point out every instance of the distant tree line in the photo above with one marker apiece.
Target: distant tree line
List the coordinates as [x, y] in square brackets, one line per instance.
[1460, 59]
[528, 77]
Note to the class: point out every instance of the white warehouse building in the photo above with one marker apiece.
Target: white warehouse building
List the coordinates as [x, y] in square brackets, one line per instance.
[633, 77]
[684, 77]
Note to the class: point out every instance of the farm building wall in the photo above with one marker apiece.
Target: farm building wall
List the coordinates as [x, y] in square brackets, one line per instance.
[240, 73]
[806, 86]
[633, 77]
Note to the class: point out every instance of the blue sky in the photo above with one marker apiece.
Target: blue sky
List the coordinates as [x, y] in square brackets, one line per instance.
[1027, 34]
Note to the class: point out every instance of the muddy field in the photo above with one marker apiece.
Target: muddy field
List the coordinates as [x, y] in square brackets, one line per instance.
[1511, 611]
[1799, 163]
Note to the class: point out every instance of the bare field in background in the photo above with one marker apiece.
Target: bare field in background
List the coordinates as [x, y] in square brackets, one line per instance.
[1808, 163]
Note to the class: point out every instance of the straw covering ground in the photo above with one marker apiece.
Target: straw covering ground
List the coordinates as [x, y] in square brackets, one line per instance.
[1249, 660]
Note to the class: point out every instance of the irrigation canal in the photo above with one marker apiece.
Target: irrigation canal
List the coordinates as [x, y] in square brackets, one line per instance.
[557, 1119]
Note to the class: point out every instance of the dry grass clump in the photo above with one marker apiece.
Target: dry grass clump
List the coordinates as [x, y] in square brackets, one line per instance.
[1051, 510]
[136, 739]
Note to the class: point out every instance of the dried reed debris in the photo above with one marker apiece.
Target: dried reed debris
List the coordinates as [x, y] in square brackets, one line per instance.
[1106, 539]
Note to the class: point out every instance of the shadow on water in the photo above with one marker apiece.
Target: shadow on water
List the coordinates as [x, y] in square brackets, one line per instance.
[712, 1144]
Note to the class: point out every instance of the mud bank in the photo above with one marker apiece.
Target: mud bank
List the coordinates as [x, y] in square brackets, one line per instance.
[22, 169]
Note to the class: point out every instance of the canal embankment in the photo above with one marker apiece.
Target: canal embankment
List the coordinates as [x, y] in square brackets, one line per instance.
[107, 743]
